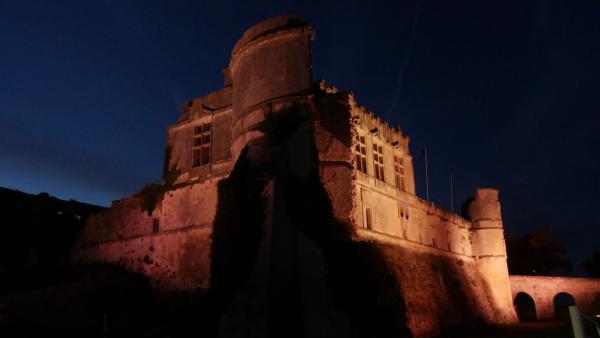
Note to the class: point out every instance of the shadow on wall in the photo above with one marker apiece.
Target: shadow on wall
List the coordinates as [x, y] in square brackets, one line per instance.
[237, 230]
[358, 279]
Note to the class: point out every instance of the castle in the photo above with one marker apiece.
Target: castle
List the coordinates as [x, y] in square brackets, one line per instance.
[450, 270]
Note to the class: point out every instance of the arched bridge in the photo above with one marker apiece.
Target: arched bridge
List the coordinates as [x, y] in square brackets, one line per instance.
[541, 297]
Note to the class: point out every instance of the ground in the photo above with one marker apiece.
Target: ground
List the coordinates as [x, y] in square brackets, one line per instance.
[541, 329]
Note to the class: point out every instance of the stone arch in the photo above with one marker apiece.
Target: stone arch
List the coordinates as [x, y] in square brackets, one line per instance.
[561, 303]
[525, 307]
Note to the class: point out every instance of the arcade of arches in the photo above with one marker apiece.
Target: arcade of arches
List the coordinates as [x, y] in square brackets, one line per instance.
[540, 297]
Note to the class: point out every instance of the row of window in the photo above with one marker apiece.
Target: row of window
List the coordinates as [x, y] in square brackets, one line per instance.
[378, 166]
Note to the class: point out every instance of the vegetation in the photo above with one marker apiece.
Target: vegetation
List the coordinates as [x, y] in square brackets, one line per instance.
[170, 174]
[464, 208]
[152, 193]
[38, 230]
[592, 265]
[535, 254]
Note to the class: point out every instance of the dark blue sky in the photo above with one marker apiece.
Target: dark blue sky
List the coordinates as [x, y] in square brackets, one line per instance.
[505, 93]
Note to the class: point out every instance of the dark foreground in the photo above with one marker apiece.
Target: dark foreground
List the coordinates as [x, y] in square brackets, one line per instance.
[543, 329]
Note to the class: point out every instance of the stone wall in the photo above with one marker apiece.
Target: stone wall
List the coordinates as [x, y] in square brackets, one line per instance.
[543, 290]
[440, 289]
[428, 249]
[171, 246]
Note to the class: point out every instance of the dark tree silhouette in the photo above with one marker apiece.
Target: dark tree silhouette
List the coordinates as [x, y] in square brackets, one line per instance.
[535, 254]
[592, 265]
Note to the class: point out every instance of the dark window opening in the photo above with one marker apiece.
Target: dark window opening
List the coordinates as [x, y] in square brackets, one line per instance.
[155, 226]
[369, 219]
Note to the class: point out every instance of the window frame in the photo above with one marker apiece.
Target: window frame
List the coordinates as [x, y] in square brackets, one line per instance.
[399, 172]
[361, 154]
[202, 145]
[378, 162]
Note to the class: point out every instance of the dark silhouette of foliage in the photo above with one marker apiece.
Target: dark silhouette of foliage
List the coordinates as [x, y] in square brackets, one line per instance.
[592, 265]
[38, 229]
[535, 254]
[152, 193]
[464, 208]
[170, 174]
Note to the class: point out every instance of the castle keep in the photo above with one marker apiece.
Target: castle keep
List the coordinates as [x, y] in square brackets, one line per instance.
[450, 270]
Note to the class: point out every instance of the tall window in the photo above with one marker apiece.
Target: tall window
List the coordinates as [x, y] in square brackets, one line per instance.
[399, 173]
[378, 162]
[368, 219]
[361, 154]
[201, 146]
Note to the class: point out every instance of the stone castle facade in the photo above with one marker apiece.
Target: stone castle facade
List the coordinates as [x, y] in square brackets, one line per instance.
[450, 269]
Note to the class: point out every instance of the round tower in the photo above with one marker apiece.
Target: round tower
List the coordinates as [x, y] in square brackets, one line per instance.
[489, 250]
[270, 61]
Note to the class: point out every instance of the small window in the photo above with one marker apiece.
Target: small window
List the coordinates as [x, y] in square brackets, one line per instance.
[155, 226]
[369, 219]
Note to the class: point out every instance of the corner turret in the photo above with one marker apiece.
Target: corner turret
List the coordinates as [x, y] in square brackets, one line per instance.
[489, 250]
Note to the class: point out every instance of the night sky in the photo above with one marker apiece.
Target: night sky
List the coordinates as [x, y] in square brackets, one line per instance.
[506, 93]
